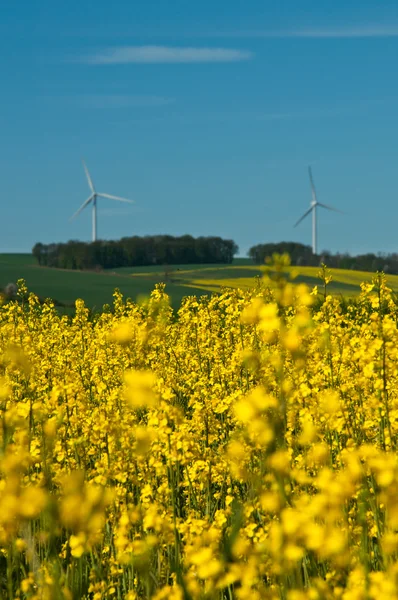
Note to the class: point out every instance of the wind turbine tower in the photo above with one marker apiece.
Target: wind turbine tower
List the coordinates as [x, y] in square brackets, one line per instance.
[314, 205]
[93, 199]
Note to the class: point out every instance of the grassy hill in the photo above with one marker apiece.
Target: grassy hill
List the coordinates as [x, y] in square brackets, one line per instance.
[181, 280]
[95, 288]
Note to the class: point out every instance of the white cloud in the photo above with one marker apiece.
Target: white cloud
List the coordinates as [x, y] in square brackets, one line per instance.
[357, 31]
[165, 54]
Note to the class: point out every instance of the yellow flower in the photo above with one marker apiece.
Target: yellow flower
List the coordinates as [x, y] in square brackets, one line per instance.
[308, 431]
[390, 543]
[236, 450]
[202, 556]
[280, 461]
[20, 544]
[77, 544]
[330, 402]
[122, 334]
[207, 565]
[270, 502]
[245, 410]
[32, 502]
[269, 322]
[5, 389]
[293, 552]
[291, 340]
[334, 543]
[246, 459]
[139, 388]
[50, 428]
[143, 439]
[251, 312]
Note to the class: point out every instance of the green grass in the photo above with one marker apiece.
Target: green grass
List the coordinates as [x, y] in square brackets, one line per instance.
[240, 262]
[17, 260]
[181, 280]
[95, 289]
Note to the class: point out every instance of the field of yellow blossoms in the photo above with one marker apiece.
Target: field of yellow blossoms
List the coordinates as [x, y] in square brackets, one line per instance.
[244, 447]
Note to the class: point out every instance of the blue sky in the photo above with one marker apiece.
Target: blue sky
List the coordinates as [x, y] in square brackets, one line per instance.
[206, 114]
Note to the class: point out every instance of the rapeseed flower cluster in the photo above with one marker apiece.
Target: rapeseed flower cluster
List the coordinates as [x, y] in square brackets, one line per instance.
[245, 447]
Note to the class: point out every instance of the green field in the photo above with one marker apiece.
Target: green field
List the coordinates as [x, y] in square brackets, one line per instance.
[181, 280]
[95, 288]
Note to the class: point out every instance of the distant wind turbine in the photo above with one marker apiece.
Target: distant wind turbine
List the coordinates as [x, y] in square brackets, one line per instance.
[93, 198]
[313, 207]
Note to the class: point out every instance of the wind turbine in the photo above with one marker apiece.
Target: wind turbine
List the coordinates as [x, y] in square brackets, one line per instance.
[93, 198]
[313, 207]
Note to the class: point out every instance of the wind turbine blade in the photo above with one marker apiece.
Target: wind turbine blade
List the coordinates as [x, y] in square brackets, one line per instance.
[90, 183]
[116, 198]
[82, 206]
[312, 183]
[307, 212]
[330, 207]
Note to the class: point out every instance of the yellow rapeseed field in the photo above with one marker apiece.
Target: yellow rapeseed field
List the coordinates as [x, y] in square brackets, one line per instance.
[244, 448]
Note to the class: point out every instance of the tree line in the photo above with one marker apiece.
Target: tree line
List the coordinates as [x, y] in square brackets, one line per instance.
[302, 255]
[135, 251]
